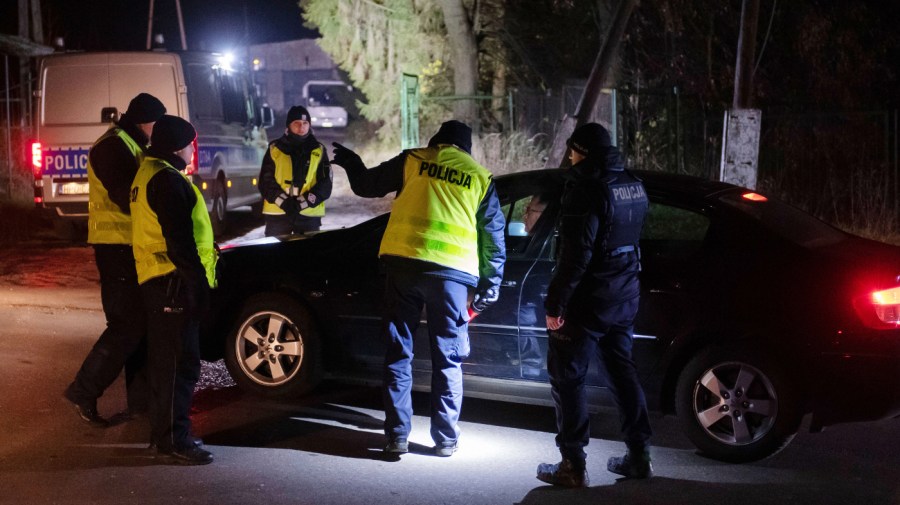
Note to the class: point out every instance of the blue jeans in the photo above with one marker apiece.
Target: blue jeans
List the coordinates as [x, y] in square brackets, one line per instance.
[444, 301]
[569, 356]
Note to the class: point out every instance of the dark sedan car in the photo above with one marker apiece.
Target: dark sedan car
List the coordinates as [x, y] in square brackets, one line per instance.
[752, 314]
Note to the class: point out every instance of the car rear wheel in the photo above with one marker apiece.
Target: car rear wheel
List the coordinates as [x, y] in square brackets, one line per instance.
[737, 405]
[274, 349]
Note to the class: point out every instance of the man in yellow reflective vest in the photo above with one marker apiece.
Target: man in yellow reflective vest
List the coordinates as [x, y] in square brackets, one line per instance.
[112, 162]
[175, 257]
[295, 178]
[444, 240]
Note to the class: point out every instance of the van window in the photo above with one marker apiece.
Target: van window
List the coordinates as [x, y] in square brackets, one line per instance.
[75, 94]
[234, 101]
[205, 100]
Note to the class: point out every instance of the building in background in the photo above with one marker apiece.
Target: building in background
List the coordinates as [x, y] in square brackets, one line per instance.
[282, 69]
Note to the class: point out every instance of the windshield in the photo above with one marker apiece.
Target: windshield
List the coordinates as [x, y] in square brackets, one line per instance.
[787, 221]
[323, 96]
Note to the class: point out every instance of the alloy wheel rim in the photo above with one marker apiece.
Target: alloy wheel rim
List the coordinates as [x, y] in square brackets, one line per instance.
[269, 349]
[735, 403]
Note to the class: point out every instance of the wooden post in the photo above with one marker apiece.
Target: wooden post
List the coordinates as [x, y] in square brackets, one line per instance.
[600, 75]
[746, 53]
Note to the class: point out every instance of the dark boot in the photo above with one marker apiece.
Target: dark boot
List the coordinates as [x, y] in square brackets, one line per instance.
[633, 465]
[565, 474]
[86, 410]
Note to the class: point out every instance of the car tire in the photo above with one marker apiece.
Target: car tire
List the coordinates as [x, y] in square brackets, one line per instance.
[274, 349]
[218, 213]
[737, 405]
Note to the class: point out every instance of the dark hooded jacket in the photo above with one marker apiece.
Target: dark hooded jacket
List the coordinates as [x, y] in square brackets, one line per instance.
[603, 209]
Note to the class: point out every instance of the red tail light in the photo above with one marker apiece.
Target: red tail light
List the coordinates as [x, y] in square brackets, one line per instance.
[36, 159]
[880, 309]
[754, 197]
[192, 167]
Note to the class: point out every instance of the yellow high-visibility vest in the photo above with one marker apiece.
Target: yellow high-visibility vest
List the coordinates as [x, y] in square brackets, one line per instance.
[284, 171]
[150, 254]
[433, 217]
[107, 224]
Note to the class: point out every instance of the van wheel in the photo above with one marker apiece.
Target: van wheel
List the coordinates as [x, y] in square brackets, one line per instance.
[217, 213]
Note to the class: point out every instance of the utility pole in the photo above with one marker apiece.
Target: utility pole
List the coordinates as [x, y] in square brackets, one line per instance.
[600, 75]
[180, 25]
[740, 134]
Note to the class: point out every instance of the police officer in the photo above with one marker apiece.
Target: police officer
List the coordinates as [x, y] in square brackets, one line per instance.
[591, 303]
[175, 257]
[444, 238]
[295, 178]
[112, 162]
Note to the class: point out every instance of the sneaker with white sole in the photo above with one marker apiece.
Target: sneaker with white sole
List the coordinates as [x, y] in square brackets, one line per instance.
[397, 446]
[446, 450]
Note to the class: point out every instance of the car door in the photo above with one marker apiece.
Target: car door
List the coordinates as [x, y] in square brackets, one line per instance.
[672, 243]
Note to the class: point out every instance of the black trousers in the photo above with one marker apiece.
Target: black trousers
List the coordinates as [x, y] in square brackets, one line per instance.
[288, 225]
[123, 343]
[569, 356]
[173, 344]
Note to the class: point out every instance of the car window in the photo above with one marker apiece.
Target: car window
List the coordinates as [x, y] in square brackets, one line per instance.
[521, 242]
[665, 222]
[672, 233]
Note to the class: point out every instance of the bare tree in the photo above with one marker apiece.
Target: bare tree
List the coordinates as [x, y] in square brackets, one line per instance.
[464, 51]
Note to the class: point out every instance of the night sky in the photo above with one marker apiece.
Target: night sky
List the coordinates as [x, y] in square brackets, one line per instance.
[214, 25]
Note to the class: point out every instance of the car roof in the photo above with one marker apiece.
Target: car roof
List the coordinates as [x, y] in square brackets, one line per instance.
[659, 184]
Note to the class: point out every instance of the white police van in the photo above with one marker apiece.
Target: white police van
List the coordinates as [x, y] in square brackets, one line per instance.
[79, 94]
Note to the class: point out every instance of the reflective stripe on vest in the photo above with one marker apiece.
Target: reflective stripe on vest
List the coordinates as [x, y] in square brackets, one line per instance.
[150, 254]
[284, 171]
[107, 224]
[433, 217]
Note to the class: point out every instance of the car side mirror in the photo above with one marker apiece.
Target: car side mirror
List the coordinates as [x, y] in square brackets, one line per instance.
[267, 117]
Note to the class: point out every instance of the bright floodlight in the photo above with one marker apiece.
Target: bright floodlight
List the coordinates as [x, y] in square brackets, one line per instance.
[225, 61]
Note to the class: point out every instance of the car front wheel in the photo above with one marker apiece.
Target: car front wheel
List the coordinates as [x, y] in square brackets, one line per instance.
[274, 349]
[737, 405]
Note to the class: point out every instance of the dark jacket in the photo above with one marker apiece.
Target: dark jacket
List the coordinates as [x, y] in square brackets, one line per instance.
[114, 164]
[173, 198]
[299, 150]
[603, 209]
[489, 221]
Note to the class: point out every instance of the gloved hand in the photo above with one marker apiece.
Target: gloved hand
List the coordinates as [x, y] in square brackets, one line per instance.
[308, 200]
[484, 298]
[290, 206]
[346, 157]
[196, 294]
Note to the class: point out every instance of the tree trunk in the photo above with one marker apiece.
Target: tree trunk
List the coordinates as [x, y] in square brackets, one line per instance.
[464, 52]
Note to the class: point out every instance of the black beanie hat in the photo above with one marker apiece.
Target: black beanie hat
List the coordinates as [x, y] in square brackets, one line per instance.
[171, 134]
[453, 132]
[145, 108]
[590, 139]
[297, 113]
